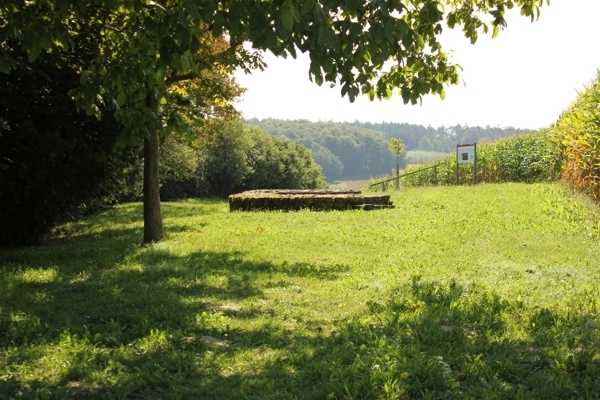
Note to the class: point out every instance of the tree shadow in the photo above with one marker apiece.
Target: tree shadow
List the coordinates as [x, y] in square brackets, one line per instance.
[133, 332]
[157, 331]
[443, 341]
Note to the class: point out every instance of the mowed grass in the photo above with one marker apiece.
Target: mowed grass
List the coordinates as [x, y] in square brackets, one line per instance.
[459, 292]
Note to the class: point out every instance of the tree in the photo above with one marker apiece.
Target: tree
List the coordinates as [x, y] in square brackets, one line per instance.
[144, 46]
[54, 160]
[234, 157]
[397, 148]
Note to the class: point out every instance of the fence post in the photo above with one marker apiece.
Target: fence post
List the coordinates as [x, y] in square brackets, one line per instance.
[475, 164]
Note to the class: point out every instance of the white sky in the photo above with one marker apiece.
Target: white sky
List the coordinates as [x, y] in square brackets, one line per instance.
[524, 78]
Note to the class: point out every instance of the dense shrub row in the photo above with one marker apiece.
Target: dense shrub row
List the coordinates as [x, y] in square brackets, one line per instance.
[577, 135]
[522, 158]
[54, 159]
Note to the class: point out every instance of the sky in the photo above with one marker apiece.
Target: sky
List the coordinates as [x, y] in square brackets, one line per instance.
[523, 78]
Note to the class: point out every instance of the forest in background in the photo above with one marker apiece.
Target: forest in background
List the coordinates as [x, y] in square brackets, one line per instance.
[443, 138]
[359, 150]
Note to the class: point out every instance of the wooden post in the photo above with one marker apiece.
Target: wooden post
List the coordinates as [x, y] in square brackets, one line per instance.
[457, 179]
[397, 171]
[475, 163]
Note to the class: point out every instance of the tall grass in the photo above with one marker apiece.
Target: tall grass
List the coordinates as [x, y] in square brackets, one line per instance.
[523, 158]
[577, 135]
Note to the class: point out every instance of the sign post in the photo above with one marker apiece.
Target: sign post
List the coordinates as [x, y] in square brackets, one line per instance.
[466, 154]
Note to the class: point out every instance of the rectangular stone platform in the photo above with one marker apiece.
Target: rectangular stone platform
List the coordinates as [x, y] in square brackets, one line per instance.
[317, 200]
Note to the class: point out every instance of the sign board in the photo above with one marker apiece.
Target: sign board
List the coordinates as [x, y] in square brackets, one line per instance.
[465, 153]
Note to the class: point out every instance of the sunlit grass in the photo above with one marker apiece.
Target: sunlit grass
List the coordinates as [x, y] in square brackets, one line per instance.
[253, 305]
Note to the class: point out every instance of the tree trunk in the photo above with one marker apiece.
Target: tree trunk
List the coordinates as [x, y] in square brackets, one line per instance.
[153, 226]
[397, 172]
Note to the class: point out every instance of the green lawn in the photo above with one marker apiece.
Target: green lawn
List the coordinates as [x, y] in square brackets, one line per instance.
[463, 292]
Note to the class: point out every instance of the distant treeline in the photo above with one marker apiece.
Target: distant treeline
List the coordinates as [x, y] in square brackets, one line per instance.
[360, 149]
[444, 138]
[342, 150]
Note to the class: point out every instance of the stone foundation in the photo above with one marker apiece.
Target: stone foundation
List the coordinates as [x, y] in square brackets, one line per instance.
[317, 200]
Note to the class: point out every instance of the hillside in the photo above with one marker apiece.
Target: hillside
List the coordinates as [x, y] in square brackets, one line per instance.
[460, 292]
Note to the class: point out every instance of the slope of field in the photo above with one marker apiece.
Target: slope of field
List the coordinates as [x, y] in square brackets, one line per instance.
[460, 292]
[423, 157]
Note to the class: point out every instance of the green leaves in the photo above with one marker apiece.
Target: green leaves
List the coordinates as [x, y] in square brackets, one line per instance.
[577, 135]
[396, 146]
[370, 47]
[288, 15]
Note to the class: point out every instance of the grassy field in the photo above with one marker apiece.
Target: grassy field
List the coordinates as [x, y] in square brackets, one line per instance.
[459, 292]
[356, 184]
[423, 156]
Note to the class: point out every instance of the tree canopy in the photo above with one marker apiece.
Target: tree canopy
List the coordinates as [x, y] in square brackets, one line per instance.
[140, 46]
[396, 147]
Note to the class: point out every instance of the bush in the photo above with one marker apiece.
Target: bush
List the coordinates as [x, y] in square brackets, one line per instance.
[54, 159]
[223, 165]
[280, 164]
[523, 158]
[233, 158]
[178, 168]
[577, 135]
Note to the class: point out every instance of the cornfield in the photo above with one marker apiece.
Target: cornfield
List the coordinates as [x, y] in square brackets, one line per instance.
[577, 134]
[523, 158]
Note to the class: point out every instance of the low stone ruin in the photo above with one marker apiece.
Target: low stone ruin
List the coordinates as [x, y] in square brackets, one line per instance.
[317, 200]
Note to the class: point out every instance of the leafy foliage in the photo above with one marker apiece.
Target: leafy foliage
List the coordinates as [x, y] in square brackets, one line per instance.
[577, 135]
[140, 46]
[235, 158]
[226, 156]
[54, 159]
[178, 168]
[396, 147]
[523, 158]
[63, 174]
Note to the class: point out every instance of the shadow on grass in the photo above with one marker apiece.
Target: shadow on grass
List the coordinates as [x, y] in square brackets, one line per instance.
[444, 341]
[131, 322]
[142, 333]
[123, 216]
